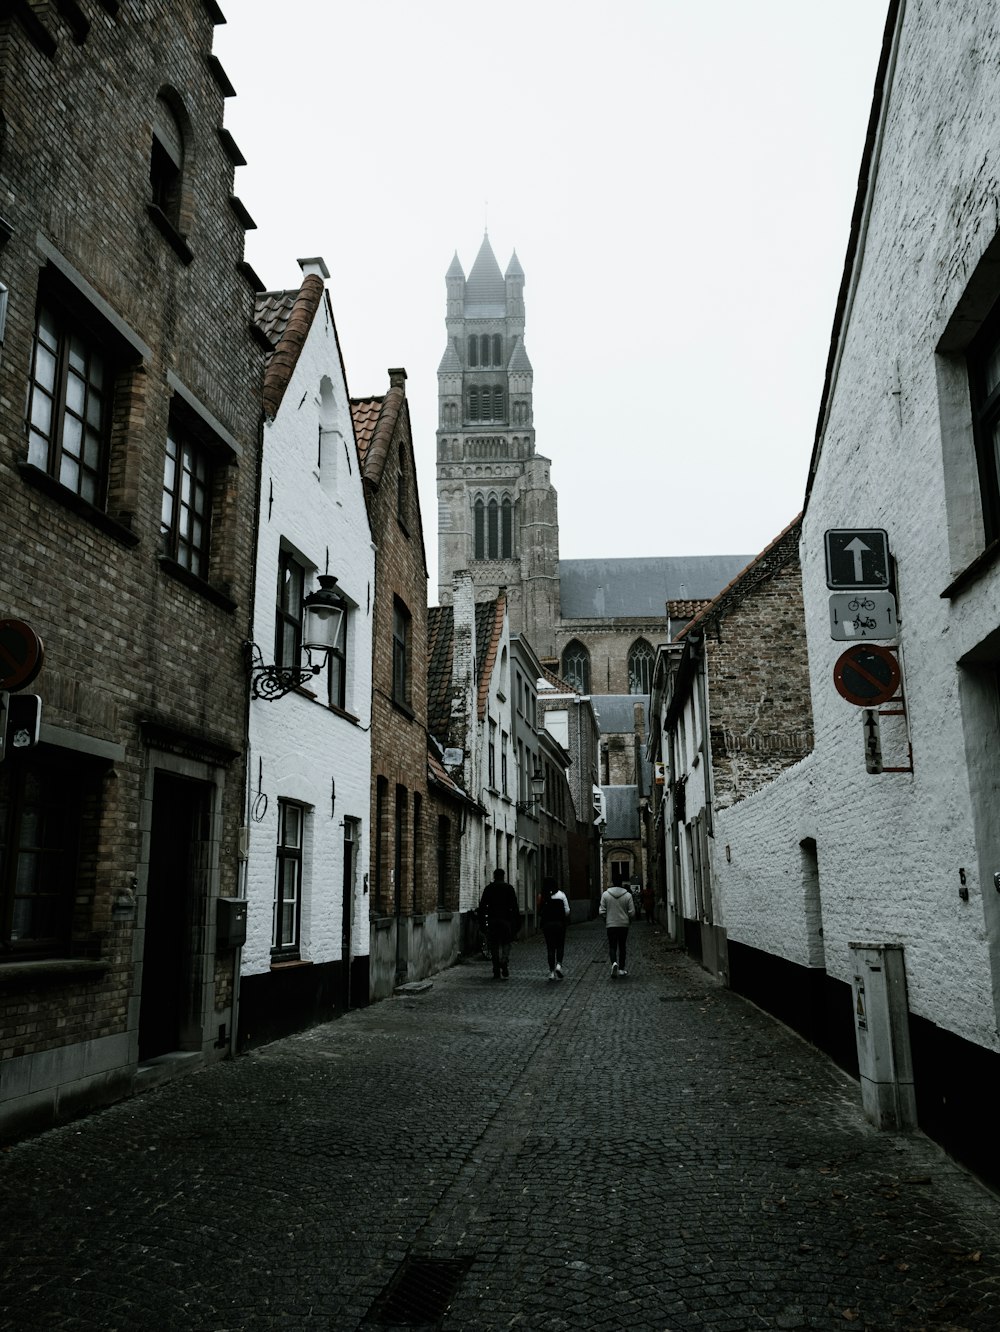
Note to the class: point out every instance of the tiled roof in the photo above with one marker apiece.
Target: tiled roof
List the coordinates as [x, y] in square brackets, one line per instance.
[289, 327]
[440, 658]
[621, 810]
[616, 713]
[514, 268]
[557, 682]
[519, 357]
[686, 610]
[272, 311]
[450, 361]
[641, 588]
[489, 627]
[455, 269]
[485, 289]
[374, 424]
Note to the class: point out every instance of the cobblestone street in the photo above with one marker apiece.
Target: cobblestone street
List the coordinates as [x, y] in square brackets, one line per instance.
[649, 1152]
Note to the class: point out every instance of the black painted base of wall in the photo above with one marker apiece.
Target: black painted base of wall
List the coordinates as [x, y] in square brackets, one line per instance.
[289, 999]
[952, 1077]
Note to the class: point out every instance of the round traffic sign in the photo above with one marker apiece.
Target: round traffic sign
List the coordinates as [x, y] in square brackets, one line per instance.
[21, 654]
[866, 675]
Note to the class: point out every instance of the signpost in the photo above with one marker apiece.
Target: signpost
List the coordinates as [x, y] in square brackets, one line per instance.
[873, 741]
[867, 675]
[857, 557]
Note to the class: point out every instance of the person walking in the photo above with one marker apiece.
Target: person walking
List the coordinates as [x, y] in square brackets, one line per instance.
[618, 909]
[500, 917]
[648, 903]
[555, 914]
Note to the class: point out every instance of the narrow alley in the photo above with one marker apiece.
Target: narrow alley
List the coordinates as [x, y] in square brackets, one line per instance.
[650, 1152]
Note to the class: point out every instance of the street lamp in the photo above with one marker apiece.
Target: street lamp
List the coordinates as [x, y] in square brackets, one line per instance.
[322, 618]
[537, 787]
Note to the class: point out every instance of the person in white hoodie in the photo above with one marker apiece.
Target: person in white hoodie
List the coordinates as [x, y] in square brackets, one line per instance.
[618, 909]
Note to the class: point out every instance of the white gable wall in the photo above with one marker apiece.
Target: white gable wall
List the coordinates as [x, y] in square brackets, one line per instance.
[312, 502]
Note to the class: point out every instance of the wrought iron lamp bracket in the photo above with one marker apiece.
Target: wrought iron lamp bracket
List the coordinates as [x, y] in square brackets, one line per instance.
[269, 681]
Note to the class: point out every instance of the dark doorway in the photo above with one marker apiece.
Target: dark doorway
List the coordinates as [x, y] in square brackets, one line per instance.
[169, 1009]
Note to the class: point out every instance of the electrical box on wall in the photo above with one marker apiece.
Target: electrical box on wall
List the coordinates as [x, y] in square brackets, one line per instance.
[881, 1027]
[230, 923]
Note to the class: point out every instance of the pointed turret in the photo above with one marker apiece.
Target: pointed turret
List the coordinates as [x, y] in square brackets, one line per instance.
[485, 289]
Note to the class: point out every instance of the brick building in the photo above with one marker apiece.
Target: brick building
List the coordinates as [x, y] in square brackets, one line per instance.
[731, 711]
[398, 882]
[129, 436]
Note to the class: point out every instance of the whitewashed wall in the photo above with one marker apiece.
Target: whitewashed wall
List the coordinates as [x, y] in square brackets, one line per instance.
[306, 749]
[891, 847]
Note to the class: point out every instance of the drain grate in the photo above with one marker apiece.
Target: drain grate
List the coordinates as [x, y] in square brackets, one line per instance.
[419, 1293]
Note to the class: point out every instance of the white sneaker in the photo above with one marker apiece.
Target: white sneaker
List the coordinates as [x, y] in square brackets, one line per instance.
[552, 975]
[623, 972]
[614, 968]
[559, 970]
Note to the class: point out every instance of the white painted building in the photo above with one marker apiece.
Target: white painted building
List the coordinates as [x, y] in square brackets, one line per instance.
[309, 762]
[888, 833]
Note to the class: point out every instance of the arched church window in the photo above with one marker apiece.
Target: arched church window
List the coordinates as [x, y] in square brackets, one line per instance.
[497, 404]
[506, 529]
[576, 666]
[497, 349]
[640, 667]
[484, 349]
[492, 515]
[473, 404]
[473, 350]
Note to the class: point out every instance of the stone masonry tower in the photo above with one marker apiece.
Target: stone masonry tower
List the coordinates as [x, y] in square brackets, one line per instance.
[497, 513]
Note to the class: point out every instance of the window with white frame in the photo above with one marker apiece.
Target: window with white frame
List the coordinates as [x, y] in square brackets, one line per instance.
[288, 881]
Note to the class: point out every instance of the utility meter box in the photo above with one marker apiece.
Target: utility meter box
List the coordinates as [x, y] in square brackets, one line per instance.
[230, 923]
[881, 1027]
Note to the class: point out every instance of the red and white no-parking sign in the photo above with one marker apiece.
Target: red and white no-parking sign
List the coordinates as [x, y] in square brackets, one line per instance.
[867, 675]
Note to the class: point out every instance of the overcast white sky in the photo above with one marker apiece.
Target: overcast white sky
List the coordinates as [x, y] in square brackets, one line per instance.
[676, 176]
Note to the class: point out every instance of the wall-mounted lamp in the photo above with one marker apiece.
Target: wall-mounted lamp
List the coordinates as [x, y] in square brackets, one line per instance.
[537, 787]
[322, 617]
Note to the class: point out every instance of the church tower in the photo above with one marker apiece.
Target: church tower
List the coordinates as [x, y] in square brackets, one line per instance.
[497, 512]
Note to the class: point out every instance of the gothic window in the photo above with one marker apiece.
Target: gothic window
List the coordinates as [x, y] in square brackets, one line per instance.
[640, 667]
[484, 349]
[497, 349]
[473, 404]
[576, 666]
[473, 351]
[492, 527]
[498, 404]
[506, 529]
[479, 515]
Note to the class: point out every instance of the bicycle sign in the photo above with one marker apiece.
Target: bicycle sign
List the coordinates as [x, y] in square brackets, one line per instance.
[862, 614]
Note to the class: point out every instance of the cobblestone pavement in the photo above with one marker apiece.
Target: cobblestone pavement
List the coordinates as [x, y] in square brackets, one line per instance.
[649, 1152]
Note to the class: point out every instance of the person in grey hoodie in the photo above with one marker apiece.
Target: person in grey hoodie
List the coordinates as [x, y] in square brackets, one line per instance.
[618, 909]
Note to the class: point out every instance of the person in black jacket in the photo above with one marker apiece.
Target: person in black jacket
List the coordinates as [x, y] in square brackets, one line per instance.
[500, 917]
[555, 914]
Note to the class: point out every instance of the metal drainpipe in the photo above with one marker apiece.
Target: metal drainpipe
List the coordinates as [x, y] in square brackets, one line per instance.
[706, 744]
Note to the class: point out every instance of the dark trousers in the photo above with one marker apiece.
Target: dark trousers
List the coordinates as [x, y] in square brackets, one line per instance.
[555, 942]
[617, 936]
[500, 947]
